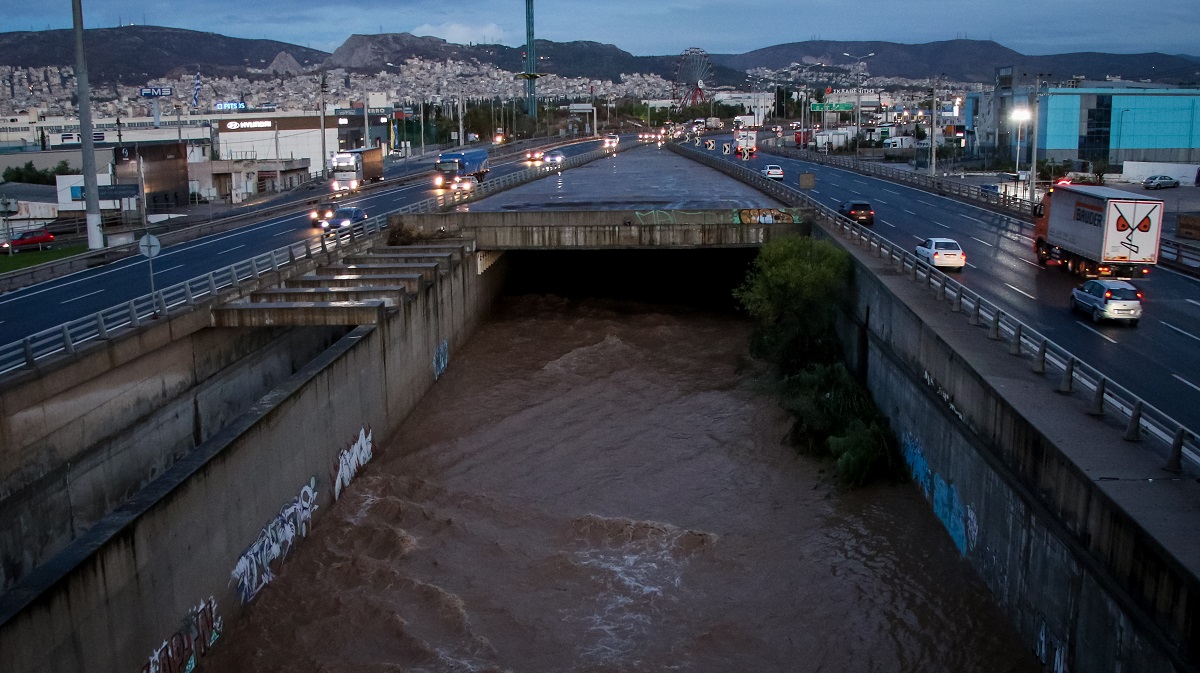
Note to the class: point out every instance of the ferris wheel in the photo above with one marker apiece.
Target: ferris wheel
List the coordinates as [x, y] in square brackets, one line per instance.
[693, 75]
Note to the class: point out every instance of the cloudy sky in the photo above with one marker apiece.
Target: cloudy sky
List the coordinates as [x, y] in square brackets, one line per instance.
[659, 27]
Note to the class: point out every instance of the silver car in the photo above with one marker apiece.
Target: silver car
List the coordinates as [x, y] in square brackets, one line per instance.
[1105, 299]
[1159, 182]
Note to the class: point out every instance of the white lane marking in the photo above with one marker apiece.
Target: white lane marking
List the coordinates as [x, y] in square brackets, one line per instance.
[892, 191]
[68, 301]
[1033, 264]
[1017, 289]
[909, 211]
[1096, 332]
[815, 192]
[984, 242]
[919, 238]
[231, 249]
[1197, 303]
[889, 224]
[931, 205]
[1185, 381]
[946, 226]
[972, 265]
[177, 266]
[974, 218]
[1186, 334]
[881, 201]
[1027, 238]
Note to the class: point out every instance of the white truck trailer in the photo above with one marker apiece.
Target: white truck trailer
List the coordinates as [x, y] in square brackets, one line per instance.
[1098, 232]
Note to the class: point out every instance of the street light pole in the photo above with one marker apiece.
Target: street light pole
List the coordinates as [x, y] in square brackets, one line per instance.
[1020, 115]
[858, 103]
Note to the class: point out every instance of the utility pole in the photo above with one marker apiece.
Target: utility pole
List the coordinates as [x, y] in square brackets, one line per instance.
[1037, 108]
[459, 107]
[91, 195]
[858, 102]
[321, 113]
[933, 132]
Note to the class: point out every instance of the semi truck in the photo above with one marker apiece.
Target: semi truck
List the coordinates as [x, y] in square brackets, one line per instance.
[352, 169]
[1098, 232]
[459, 164]
[713, 123]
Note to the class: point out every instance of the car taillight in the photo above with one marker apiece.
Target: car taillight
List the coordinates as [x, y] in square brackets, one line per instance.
[1107, 295]
[1139, 296]
[1145, 271]
[937, 254]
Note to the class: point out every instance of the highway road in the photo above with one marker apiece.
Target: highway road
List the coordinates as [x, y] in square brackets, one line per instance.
[1159, 360]
[52, 303]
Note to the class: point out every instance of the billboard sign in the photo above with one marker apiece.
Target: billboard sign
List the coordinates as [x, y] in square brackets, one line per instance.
[156, 91]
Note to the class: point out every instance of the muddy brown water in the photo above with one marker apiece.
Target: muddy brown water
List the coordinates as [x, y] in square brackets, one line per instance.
[601, 486]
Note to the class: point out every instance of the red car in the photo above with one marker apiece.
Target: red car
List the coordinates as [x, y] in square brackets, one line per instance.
[34, 239]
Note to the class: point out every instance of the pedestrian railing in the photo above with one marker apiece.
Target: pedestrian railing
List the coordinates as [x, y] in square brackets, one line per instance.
[1022, 340]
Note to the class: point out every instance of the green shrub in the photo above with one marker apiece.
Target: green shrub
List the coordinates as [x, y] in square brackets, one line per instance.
[793, 292]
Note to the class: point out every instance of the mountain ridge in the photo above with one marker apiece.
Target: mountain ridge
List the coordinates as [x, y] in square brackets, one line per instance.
[131, 52]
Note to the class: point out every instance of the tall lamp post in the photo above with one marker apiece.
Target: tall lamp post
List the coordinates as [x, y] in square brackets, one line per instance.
[1020, 116]
[858, 102]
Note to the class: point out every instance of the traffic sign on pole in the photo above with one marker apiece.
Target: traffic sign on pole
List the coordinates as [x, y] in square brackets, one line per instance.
[710, 144]
[149, 245]
[725, 148]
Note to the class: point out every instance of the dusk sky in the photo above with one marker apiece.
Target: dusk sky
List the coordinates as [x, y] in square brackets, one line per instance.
[661, 27]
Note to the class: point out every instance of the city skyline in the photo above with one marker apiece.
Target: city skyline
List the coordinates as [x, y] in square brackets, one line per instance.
[656, 29]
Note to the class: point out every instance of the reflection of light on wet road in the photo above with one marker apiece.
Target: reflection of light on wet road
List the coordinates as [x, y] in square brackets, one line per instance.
[1096, 332]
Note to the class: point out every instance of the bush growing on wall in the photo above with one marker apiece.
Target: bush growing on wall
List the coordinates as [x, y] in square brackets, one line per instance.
[793, 293]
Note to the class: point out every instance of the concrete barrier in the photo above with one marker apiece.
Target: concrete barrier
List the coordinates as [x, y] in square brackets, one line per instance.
[1057, 513]
[155, 582]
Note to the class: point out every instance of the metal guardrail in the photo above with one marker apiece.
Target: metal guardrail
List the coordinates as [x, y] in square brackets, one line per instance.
[1023, 340]
[67, 338]
[1175, 254]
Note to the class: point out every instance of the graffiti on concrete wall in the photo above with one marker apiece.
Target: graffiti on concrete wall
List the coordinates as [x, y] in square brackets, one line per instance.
[254, 568]
[350, 459]
[441, 358]
[196, 635]
[1051, 651]
[764, 216]
[959, 520]
[944, 394]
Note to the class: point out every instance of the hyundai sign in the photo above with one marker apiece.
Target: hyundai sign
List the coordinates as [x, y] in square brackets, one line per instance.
[156, 91]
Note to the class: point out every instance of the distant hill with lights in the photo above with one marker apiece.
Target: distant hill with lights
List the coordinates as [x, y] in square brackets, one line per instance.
[137, 53]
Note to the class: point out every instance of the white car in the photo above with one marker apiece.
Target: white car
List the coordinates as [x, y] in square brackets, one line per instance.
[772, 171]
[942, 253]
[555, 157]
[465, 184]
[611, 140]
[1106, 299]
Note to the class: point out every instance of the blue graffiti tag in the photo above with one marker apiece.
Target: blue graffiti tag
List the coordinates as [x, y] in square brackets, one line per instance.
[441, 358]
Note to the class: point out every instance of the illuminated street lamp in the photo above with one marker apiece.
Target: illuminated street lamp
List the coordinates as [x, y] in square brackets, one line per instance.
[1020, 116]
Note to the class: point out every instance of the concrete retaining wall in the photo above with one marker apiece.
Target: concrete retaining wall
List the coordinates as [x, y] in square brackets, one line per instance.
[609, 229]
[80, 452]
[153, 585]
[1042, 499]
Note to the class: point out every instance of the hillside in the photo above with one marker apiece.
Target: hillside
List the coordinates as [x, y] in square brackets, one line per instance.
[134, 54]
[967, 61]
